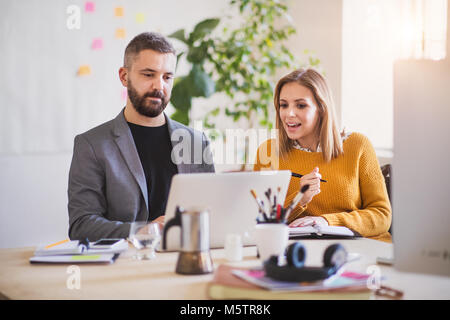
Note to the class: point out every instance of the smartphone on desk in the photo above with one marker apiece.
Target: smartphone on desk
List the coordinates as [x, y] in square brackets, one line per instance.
[106, 243]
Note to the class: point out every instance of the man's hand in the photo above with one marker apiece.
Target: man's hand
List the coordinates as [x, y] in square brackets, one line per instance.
[160, 221]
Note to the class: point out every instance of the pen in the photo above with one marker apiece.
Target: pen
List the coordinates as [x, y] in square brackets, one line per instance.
[298, 175]
[278, 216]
[84, 243]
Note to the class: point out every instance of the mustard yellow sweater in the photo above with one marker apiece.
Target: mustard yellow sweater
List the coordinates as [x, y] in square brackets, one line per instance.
[354, 195]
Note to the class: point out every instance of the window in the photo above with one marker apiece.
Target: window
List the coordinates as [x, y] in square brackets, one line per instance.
[374, 34]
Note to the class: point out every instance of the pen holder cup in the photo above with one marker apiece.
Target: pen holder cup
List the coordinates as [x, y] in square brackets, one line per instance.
[271, 239]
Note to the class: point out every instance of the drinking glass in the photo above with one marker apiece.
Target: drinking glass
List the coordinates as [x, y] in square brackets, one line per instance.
[145, 237]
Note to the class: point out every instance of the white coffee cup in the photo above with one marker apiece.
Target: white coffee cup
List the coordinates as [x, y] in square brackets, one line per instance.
[271, 239]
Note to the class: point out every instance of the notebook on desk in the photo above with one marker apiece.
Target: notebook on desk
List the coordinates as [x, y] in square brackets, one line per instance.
[322, 232]
[62, 247]
[232, 209]
[76, 259]
[76, 252]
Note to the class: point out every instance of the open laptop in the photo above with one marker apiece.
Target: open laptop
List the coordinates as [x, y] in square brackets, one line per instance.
[232, 208]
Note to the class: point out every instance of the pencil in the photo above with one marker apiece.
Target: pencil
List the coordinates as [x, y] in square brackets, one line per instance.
[56, 243]
[298, 175]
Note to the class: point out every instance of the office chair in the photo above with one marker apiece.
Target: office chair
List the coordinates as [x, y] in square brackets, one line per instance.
[386, 170]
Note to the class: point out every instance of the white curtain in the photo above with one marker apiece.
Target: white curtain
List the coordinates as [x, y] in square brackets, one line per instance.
[375, 34]
[422, 29]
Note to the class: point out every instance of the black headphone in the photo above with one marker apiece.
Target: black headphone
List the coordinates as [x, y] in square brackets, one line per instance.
[335, 256]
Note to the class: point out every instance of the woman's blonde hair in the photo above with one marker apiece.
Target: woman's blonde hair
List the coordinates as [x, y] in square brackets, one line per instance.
[329, 136]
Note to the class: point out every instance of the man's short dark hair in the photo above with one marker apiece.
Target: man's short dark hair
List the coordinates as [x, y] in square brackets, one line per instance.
[144, 41]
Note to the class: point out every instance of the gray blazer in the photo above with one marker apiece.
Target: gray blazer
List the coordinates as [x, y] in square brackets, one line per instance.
[107, 188]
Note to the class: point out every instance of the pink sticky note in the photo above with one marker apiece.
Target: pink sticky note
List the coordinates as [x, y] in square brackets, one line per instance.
[97, 44]
[89, 6]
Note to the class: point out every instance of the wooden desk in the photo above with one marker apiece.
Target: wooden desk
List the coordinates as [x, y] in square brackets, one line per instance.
[156, 279]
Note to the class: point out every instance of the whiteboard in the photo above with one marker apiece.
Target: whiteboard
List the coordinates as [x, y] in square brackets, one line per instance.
[44, 103]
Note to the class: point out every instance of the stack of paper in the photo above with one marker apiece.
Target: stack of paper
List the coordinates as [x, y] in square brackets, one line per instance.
[75, 259]
[60, 248]
[73, 252]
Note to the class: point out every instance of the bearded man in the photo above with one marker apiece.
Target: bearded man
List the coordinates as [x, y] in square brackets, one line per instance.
[121, 170]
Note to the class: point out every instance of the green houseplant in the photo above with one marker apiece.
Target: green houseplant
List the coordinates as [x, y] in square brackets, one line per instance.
[241, 60]
[197, 83]
[246, 59]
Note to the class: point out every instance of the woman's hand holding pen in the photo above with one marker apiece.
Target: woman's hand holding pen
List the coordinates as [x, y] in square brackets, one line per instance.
[313, 179]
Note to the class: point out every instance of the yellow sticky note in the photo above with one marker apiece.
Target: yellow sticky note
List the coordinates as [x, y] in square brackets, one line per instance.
[118, 11]
[140, 17]
[120, 33]
[84, 70]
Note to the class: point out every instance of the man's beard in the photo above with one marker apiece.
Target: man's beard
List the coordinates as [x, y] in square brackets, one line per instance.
[147, 107]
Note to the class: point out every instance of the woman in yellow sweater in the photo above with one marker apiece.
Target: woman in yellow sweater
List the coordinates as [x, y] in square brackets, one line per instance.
[310, 143]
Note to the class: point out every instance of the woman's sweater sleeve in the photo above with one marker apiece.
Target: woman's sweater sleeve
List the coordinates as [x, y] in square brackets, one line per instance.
[374, 217]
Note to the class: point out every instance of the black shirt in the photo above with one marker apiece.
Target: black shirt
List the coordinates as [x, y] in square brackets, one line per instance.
[154, 148]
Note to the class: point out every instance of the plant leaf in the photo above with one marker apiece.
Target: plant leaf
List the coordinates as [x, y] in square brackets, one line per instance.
[197, 54]
[181, 116]
[178, 59]
[203, 28]
[181, 95]
[200, 83]
[179, 34]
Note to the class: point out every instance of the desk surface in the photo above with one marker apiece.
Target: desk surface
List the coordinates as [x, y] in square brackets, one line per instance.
[156, 279]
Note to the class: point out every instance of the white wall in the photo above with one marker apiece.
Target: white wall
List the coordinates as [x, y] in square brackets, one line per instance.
[319, 29]
[33, 185]
[367, 64]
[33, 199]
